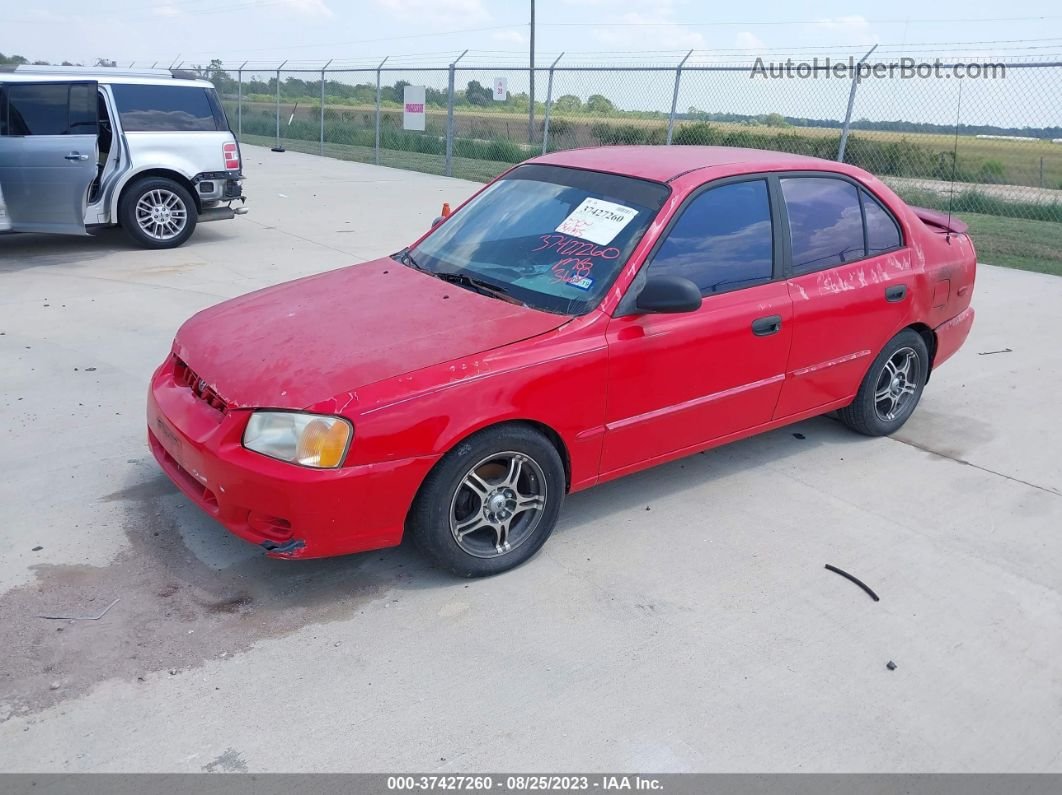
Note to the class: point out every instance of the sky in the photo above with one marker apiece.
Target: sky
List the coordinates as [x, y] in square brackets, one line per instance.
[363, 31]
[359, 33]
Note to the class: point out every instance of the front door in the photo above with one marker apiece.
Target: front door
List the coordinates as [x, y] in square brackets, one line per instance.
[677, 382]
[48, 156]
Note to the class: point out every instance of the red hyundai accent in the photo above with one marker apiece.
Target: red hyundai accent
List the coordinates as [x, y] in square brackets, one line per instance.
[587, 315]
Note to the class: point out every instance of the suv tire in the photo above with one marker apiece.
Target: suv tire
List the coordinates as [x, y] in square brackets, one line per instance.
[157, 213]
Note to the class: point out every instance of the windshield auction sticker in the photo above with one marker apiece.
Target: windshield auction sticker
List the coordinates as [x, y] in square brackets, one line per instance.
[597, 220]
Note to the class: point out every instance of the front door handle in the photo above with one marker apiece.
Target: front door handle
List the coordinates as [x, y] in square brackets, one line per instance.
[75, 156]
[765, 326]
[895, 293]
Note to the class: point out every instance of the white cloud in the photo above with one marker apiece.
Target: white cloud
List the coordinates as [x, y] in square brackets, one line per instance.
[166, 11]
[310, 8]
[649, 31]
[846, 30]
[456, 13]
[749, 41]
[513, 37]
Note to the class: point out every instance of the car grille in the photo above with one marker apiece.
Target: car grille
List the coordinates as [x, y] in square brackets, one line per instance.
[183, 374]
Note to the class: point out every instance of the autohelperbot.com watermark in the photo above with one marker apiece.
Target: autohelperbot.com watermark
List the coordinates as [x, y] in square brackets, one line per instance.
[903, 68]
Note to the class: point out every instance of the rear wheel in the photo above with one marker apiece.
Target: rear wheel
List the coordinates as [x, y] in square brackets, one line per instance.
[158, 213]
[891, 388]
[491, 503]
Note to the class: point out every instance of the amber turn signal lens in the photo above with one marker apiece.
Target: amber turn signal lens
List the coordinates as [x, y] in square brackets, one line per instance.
[322, 444]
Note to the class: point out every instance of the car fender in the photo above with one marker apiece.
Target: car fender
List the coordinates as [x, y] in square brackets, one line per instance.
[179, 154]
[556, 380]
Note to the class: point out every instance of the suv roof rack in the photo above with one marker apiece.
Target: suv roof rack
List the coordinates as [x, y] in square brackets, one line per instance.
[182, 74]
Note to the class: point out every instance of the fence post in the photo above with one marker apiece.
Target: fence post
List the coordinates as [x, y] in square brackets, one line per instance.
[278, 147]
[378, 101]
[851, 105]
[674, 96]
[450, 117]
[239, 101]
[549, 105]
[322, 102]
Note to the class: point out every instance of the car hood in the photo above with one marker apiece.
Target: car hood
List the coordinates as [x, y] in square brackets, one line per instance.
[308, 341]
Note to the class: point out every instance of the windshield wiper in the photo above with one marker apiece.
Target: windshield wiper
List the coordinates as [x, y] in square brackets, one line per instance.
[406, 258]
[480, 286]
[461, 279]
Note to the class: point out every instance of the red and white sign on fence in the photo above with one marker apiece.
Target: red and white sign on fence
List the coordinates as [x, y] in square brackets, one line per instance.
[413, 108]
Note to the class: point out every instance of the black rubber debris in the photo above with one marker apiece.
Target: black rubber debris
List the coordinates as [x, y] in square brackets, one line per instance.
[856, 580]
[799, 436]
[890, 665]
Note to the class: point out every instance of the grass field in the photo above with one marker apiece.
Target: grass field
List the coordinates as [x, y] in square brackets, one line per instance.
[1032, 163]
[1016, 242]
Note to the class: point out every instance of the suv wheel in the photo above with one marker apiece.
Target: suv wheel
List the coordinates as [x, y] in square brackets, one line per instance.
[157, 213]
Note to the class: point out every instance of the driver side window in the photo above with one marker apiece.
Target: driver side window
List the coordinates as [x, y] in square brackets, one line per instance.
[722, 241]
[47, 109]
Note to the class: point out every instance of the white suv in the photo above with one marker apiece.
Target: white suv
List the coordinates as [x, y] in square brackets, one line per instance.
[147, 151]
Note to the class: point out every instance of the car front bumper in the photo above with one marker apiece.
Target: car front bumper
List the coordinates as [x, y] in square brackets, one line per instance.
[290, 511]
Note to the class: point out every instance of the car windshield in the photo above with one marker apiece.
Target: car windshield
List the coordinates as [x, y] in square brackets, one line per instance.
[550, 237]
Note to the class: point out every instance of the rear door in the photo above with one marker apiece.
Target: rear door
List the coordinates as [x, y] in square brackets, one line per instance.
[679, 381]
[48, 156]
[850, 280]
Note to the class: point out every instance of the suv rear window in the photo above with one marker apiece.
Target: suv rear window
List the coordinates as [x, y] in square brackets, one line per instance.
[166, 108]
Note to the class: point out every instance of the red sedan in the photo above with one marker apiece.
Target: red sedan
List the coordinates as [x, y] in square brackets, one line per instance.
[587, 315]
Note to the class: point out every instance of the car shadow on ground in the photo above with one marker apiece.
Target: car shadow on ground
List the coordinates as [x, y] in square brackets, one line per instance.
[189, 592]
[23, 251]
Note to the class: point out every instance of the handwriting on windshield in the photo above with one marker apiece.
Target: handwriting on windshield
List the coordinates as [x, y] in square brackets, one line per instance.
[570, 247]
[574, 271]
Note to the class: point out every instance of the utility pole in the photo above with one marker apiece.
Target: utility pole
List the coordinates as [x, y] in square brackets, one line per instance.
[531, 76]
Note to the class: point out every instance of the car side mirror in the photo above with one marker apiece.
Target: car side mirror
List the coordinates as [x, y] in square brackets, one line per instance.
[668, 295]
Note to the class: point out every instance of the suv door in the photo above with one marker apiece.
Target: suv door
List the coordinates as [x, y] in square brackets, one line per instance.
[680, 381]
[48, 156]
[850, 281]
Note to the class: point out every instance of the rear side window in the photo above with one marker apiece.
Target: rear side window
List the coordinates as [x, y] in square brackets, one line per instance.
[722, 240]
[882, 232]
[48, 109]
[165, 108]
[825, 222]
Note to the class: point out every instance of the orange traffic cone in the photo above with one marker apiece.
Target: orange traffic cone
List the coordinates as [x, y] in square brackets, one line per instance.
[445, 210]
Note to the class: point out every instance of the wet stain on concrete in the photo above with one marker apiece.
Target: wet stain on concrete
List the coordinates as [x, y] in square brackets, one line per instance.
[176, 609]
[229, 762]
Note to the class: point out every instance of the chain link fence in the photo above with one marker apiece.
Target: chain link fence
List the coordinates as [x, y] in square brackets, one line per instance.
[983, 138]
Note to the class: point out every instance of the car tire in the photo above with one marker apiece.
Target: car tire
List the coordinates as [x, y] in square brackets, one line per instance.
[892, 387]
[157, 213]
[491, 502]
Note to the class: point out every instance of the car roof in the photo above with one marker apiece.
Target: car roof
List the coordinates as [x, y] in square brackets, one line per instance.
[58, 74]
[663, 163]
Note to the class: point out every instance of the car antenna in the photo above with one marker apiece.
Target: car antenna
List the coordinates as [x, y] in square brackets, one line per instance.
[954, 164]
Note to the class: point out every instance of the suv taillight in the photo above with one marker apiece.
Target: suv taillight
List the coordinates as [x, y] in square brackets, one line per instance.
[232, 157]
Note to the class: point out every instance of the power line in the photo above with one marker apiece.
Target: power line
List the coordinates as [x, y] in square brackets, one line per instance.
[819, 21]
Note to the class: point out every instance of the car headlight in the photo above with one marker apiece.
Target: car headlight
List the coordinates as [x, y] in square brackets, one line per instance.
[312, 440]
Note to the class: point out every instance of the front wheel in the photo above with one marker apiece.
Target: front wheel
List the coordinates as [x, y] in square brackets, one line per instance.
[490, 503]
[891, 388]
[158, 213]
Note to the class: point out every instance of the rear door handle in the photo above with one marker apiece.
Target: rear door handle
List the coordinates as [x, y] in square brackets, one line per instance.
[895, 293]
[765, 326]
[75, 156]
